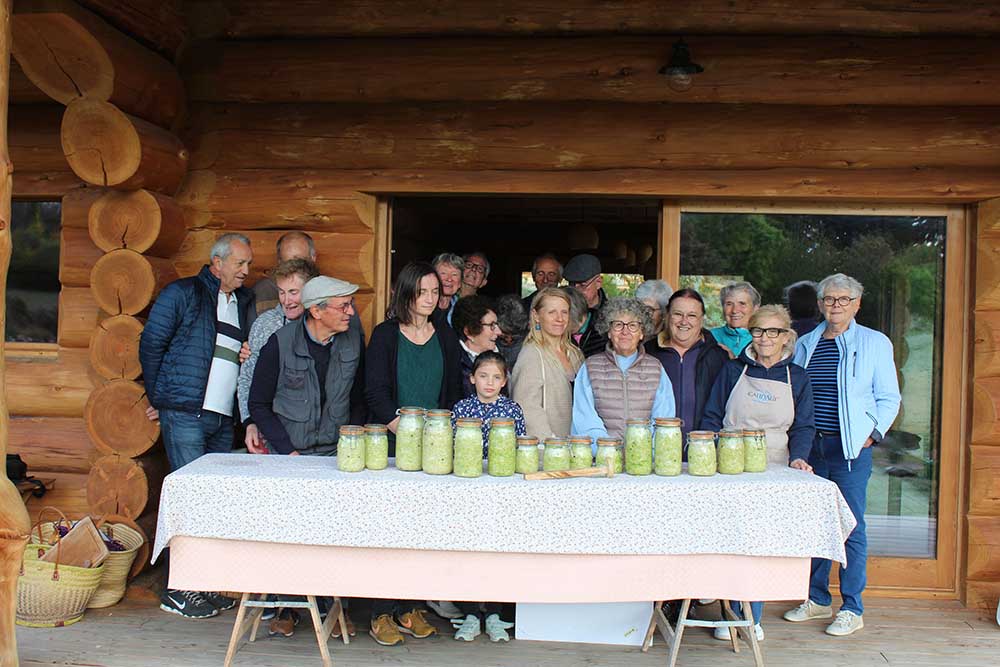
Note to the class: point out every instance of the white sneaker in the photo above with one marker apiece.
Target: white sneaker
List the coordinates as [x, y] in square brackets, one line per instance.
[497, 628]
[469, 629]
[445, 609]
[722, 633]
[846, 623]
[807, 611]
[706, 601]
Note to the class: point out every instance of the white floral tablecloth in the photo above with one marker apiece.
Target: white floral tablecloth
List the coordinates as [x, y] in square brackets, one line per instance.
[306, 500]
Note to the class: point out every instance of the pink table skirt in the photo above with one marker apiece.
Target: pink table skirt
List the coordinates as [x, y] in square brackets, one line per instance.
[206, 564]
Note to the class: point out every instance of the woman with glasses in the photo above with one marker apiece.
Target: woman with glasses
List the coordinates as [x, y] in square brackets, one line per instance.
[763, 390]
[857, 399]
[622, 382]
[476, 324]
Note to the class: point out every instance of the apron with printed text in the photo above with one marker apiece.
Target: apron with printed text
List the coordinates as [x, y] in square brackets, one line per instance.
[767, 405]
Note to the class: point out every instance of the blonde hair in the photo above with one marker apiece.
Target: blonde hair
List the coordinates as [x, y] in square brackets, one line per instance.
[535, 334]
[778, 312]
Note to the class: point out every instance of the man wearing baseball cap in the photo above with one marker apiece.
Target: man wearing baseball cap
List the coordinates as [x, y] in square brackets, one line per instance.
[583, 272]
[309, 379]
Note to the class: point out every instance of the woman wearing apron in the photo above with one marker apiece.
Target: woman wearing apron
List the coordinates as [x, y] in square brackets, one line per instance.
[762, 389]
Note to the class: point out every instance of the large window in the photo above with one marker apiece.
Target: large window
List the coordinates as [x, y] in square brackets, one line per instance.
[33, 278]
[900, 262]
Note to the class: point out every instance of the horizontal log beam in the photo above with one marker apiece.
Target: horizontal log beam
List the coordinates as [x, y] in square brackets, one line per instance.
[79, 316]
[48, 185]
[984, 480]
[22, 90]
[34, 138]
[52, 444]
[77, 257]
[273, 18]
[986, 411]
[41, 387]
[987, 286]
[548, 136]
[69, 494]
[156, 23]
[830, 70]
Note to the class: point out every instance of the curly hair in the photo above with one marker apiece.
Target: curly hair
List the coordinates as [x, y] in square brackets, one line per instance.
[619, 306]
[468, 315]
[511, 316]
[295, 267]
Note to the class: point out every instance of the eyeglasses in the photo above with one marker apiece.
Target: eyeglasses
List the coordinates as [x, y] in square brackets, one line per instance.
[841, 301]
[618, 325]
[586, 283]
[772, 332]
[474, 268]
[343, 307]
[492, 326]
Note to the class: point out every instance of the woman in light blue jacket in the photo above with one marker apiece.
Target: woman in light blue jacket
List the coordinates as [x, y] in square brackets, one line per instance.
[856, 399]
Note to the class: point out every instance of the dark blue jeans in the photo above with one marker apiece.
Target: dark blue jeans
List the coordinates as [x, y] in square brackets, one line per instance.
[828, 461]
[188, 436]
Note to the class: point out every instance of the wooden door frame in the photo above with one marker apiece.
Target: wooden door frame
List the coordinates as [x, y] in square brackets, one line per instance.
[940, 577]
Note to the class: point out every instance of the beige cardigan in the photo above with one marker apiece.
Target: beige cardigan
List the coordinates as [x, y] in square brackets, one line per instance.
[540, 386]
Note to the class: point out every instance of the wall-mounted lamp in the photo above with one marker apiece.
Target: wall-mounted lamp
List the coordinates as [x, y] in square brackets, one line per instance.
[680, 69]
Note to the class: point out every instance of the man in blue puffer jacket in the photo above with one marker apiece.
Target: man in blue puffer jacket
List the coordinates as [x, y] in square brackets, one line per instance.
[189, 351]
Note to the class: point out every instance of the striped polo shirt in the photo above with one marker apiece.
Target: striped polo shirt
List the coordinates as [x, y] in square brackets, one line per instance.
[220, 391]
[822, 371]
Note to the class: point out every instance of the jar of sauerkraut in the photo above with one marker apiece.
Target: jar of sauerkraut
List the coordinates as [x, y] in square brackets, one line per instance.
[409, 438]
[376, 446]
[502, 448]
[468, 447]
[701, 453]
[437, 447]
[580, 452]
[526, 459]
[730, 452]
[754, 451]
[638, 447]
[351, 449]
[610, 448]
[556, 455]
[667, 447]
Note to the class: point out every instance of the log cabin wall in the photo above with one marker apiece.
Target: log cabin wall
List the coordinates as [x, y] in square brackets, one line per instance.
[298, 115]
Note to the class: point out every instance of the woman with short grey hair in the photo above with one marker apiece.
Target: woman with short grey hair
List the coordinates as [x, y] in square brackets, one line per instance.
[856, 399]
[623, 369]
[739, 300]
[655, 294]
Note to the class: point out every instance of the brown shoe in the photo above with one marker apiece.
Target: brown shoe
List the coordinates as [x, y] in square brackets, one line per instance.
[348, 622]
[414, 623]
[384, 631]
[284, 624]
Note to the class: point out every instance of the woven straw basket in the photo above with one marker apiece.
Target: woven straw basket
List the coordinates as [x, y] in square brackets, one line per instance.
[117, 566]
[51, 595]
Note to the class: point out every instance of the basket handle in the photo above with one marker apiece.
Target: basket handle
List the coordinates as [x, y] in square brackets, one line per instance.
[57, 523]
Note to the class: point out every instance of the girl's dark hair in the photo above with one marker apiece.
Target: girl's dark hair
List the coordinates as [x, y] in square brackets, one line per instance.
[469, 313]
[686, 293]
[405, 291]
[490, 358]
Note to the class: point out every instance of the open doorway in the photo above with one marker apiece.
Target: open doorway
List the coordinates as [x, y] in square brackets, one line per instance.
[512, 231]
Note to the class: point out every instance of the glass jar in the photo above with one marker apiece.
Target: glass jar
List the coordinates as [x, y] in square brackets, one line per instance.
[437, 447]
[502, 448]
[610, 448]
[468, 447]
[409, 438]
[580, 453]
[376, 446]
[668, 450]
[638, 447]
[754, 451]
[556, 455]
[526, 459]
[351, 449]
[701, 453]
[730, 453]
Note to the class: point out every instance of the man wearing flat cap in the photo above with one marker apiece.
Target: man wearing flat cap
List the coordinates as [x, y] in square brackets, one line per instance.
[309, 379]
[583, 272]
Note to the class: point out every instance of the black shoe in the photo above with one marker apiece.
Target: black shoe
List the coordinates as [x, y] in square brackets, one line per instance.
[219, 601]
[189, 604]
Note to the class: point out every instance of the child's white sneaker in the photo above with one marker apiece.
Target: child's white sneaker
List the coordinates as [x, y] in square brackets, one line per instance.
[468, 630]
[497, 629]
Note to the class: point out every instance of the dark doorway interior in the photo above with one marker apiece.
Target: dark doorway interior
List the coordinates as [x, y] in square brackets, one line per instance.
[512, 231]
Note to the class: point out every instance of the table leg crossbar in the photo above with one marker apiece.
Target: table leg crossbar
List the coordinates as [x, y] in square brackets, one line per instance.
[249, 623]
[672, 635]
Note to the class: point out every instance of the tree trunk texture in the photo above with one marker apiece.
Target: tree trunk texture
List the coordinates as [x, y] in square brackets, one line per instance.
[69, 53]
[79, 316]
[157, 23]
[544, 136]
[116, 419]
[114, 348]
[245, 19]
[52, 444]
[121, 485]
[43, 387]
[917, 71]
[143, 221]
[123, 281]
[77, 257]
[105, 146]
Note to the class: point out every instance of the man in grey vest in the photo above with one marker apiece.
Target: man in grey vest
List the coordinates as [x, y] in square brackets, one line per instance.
[309, 379]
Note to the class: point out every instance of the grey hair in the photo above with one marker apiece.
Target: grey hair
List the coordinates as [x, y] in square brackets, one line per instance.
[223, 246]
[840, 281]
[577, 306]
[478, 253]
[449, 258]
[296, 235]
[548, 255]
[739, 286]
[619, 306]
[511, 316]
[657, 290]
